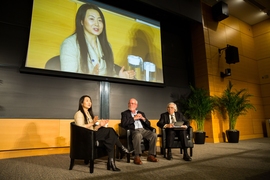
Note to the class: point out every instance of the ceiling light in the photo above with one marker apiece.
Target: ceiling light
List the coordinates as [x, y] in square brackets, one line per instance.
[256, 4]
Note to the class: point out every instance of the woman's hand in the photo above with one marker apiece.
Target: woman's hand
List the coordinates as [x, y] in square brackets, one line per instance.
[130, 74]
[96, 123]
[95, 119]
[101, 123]
[104, 122]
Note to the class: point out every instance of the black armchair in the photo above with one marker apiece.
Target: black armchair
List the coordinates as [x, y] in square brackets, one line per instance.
[176, 143]
[126, 139]
[83, 146]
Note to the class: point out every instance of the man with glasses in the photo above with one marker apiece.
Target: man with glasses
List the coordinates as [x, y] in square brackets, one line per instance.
[139, 125]
[167, 120]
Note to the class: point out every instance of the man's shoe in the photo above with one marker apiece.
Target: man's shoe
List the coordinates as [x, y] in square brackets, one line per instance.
[152, 158]
[137, 160]
[187, 158]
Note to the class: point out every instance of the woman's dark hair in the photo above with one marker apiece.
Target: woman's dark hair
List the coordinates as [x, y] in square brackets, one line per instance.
[90, 110]
[106, 48]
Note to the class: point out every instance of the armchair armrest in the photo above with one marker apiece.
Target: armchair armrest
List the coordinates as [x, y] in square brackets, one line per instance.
[84, 146]
[190, 133]
[163, 135]
[82, 142]
[125, 134]
[153, 129]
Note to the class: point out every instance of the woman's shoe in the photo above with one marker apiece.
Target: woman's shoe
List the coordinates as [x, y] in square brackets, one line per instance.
[111, 164]
[125, 150]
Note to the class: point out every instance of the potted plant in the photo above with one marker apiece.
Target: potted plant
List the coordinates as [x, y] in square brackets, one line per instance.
[233, 104]
[197, 106]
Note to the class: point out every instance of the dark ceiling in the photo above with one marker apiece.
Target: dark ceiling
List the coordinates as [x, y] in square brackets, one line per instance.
[249, 11]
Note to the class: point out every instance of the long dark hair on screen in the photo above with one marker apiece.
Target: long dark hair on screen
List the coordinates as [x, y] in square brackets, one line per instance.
[106, 48]
[90, 110]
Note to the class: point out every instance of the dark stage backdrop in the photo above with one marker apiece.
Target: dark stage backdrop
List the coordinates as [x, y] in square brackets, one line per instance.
[152, 101]
[40, 96]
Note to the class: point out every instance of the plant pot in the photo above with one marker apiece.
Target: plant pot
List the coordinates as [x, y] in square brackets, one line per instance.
[232, 136]
[199, 137]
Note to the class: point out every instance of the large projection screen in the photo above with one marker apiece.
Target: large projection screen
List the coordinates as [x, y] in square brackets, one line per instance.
[135, 43]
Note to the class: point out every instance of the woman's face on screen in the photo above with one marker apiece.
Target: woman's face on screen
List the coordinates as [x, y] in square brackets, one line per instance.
[92, 22]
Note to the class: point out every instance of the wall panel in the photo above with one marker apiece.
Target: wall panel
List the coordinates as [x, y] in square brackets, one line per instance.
[39, 96]
[245, 74]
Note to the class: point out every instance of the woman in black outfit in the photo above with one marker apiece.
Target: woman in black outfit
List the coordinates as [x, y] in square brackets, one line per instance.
[85, 117]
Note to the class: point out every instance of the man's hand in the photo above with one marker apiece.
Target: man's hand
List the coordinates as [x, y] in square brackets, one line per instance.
[138, 117]
[184, 126]
[170, 125]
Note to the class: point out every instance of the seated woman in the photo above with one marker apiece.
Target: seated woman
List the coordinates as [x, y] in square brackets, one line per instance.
[85, 117]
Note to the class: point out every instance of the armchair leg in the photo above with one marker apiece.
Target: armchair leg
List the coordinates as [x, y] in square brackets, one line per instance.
[121, 156]
[128, 158]
[91, 166]
[71, 164]
[164, 152]
[191, 151]
[86, 161]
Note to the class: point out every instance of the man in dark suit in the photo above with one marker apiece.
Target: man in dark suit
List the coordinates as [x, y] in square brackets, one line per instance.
[140, 128]
[167, 120]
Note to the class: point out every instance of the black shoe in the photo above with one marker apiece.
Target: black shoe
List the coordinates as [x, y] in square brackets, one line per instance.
[187, 158]
[111, 164]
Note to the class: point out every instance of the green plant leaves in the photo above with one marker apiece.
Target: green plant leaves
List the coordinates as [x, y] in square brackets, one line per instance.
[233, 103]
[198, 105]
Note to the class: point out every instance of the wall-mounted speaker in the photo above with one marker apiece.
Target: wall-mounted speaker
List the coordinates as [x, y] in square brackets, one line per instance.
[220, 11]
[231, 55]
[227, 73]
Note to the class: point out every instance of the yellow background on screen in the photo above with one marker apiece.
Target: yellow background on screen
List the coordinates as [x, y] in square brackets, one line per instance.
[54, 20]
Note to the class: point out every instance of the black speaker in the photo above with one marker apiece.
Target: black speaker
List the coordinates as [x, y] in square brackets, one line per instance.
[220, 11]
[232, 56]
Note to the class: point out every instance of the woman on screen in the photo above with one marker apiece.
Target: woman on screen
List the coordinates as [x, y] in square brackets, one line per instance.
[87, 50]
